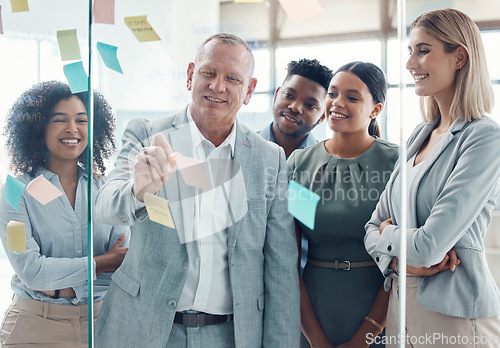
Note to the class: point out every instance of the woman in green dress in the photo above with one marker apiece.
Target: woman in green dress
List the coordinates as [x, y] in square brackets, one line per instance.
[343, 303]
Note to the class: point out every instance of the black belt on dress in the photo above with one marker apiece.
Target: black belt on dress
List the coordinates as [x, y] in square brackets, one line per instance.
[343, 265]
[200, 319]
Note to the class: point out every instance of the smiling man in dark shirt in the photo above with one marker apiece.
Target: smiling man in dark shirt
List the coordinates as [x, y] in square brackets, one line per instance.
[298, 105]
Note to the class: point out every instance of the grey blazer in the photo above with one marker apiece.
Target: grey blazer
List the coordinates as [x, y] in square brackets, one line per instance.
[450, 204]
[140, 305]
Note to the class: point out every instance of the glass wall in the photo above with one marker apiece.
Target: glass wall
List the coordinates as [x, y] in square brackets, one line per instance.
[140, 50]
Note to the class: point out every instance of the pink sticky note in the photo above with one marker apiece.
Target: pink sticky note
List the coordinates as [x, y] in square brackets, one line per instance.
[43, 190]
[299, 10]
[193, 172]
[1, 25]
[104, 11]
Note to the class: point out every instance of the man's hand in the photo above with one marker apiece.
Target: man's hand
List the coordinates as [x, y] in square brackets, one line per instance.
[153, 167]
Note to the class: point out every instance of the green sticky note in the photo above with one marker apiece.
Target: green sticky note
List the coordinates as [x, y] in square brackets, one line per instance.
[68, 45]
[16, 240]
[13, 192]
[302, 203]
[77, 77]
[108, 55]
[19, 6]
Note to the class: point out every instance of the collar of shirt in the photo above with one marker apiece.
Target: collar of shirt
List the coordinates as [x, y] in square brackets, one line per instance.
[48, 174]
[198, 139]
[267, 133]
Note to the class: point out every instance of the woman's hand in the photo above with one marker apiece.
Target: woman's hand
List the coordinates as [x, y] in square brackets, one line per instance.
[450, 262]
[112, 259]
[68, 292]
[384, 224]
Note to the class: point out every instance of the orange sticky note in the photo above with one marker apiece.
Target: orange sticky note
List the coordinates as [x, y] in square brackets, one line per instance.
[19, 6]
[193, 172]
[1, 25]
[104, 11]
[299, 10]
[43, 190]
[141, 28]
[16, 240]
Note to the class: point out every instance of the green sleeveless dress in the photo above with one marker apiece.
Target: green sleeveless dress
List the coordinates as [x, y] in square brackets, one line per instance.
[349, 189]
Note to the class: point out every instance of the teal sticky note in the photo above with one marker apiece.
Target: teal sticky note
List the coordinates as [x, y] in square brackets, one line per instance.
[77, 77]
[302, 203]
[13, 192]
[108, 55]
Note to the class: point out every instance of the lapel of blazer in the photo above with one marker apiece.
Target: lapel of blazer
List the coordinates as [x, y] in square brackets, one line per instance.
[181, 199]
[455, 127]
[243, 157]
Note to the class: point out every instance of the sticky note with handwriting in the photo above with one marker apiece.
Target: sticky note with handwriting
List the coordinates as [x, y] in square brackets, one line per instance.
[104, 11]
[77, 77]
[108, 55]
[19, 6]
[302, 203]
[141, 28]
[13, 192]
[299, 10]
[43, 190]
[68, 44]
[158, 210]
[16, 240]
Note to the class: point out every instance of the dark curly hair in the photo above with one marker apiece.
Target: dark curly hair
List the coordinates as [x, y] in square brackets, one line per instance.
[27, 121]
[311, 69]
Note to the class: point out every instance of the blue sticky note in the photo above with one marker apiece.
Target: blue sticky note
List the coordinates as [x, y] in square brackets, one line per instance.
[302, 203]
[77, 77]
[13, 192]
[108, 55]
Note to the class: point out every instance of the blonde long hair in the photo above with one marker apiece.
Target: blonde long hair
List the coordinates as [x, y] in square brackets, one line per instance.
[474, 95]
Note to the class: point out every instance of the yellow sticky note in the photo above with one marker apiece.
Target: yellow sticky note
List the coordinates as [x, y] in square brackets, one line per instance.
[141, 28]
[19, 5]
[16, 240]
[299, 10]
[158, 210]
[68, 44]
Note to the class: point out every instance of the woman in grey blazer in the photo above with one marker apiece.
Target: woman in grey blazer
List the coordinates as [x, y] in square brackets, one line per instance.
[453, 185]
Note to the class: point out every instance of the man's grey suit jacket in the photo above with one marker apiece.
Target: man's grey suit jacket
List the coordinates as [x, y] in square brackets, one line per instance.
[140, 305]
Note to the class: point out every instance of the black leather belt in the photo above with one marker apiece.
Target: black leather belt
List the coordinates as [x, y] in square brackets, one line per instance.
[343, 265]
[200, 319]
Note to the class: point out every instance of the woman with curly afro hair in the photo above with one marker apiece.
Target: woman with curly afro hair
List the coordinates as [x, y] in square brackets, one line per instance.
[47, 135]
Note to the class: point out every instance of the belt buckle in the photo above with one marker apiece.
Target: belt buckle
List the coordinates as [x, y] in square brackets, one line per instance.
[348, 265]
[193, 319]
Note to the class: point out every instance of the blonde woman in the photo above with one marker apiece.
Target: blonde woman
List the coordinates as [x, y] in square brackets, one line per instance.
[453, 185]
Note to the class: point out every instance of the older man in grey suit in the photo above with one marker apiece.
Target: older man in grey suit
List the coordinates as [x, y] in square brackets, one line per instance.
[226, 274]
